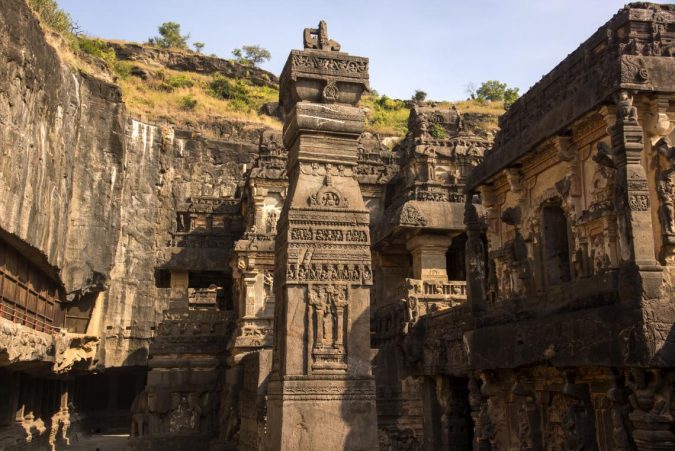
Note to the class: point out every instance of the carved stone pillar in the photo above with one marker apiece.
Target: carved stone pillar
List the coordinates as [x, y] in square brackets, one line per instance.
[250, 277]
[631, 198]
[428, 252]
[322, 393]
[631, 193]
[179, 289]
[476, 272]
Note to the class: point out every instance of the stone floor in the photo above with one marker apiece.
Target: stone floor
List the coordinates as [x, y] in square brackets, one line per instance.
[99, 442]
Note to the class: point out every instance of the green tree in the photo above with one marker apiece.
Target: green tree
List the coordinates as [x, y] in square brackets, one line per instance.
[510, 96]
[170, 37]
[198, 46]
[419, 96]
[496, 91]
[492, 90]
[251, 55]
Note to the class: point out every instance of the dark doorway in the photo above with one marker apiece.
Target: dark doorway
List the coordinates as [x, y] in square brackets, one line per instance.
[556, 245]
[454, 258]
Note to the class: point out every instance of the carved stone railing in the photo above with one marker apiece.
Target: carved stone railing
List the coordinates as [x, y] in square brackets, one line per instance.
[204, 298]
[412, 300]
[433, 290]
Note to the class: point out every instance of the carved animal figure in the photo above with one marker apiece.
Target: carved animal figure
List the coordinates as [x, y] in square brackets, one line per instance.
[317, 38]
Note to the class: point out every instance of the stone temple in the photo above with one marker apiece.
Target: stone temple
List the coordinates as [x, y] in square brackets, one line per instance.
[323, 288]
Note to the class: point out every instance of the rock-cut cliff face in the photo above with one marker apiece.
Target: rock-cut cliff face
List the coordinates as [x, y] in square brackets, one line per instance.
[89, 193]
[62, 161]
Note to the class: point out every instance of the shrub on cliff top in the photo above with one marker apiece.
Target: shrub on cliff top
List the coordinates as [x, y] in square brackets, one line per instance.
[123, 69]
[97, 48]
[52, 16]
[496, 91]
[170, 37]
[385, 115]
[419, 96]
[251, 55]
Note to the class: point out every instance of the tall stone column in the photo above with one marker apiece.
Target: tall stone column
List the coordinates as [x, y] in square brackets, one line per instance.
[631, 191]
[322, 393]
[641, 274]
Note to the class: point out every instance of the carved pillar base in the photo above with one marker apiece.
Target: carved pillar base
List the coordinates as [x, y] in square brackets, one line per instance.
[322, 414]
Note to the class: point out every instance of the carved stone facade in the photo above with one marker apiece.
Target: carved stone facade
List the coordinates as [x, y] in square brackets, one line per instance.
[568, 325]
[419, 262]
[329, 288]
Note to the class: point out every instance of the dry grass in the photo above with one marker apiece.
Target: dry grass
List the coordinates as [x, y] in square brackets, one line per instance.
[76, 60]
[476, 106]
[155, 99]
[385, 116]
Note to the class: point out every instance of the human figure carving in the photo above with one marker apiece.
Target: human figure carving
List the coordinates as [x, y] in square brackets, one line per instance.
[666, 190]
[317, 38]
[651, 397]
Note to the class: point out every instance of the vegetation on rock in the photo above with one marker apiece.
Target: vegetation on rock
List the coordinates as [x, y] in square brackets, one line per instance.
[179, 96]
[438, 132]
[385, 115]
[52, 16]
[251, 55]
[158, 93]
[188, 103]
[97, 48]
[495, 91]
[170, 37]
[199, 46]
[419, 96]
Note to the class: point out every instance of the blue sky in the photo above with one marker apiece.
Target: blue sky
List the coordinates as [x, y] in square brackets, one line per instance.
[434, 45]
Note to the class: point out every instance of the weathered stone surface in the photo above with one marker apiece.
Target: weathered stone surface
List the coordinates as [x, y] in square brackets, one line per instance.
[21, 344]
[562, 312]
[321, 357]
[54, 119]
[519, 301]
[192, 62]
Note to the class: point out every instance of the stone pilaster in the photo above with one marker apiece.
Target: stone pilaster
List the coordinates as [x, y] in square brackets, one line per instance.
[632, 201]
[632, 196]
[428, 252]
[322, 394]
[476, 271]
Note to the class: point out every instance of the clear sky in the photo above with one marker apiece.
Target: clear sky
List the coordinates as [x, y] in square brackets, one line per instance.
[434, 45]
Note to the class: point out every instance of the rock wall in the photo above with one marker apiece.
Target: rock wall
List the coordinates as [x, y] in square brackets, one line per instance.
[163, 168]
[90, 192]
[62, 144]
[193, 62]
